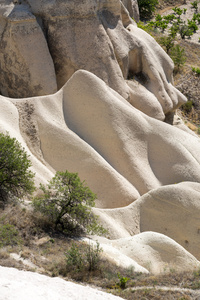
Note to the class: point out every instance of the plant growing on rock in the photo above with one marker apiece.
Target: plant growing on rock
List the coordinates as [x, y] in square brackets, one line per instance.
[68, 203]
[16, 179]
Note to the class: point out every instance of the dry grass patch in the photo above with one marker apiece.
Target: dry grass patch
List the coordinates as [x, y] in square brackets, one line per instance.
[46, 251]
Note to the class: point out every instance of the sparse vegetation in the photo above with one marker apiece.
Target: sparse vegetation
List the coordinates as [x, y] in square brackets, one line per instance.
[9, 235]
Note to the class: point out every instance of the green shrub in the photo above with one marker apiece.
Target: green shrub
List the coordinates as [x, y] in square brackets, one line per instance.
[16, 180]
[68, 203]
[169, 17]
[192, 25]
[174, 29]
[195, 5]
[9, 236]
[167, 42]
[147, 8]
[177, 54]
[196, 71]
[187, 107]
[122, 281]
[74, 258]
[184, 31]
[178, 11]
[83, 256]
[93, 256]
[148, 27]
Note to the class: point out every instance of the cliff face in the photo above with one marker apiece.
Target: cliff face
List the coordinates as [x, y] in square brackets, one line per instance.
[106, 121]
[43, 43]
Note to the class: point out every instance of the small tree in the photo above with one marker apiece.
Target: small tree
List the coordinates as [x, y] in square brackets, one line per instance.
[16, 180]
[167, 42]
[67, 202]
[147, 8]
[177, 54]
[195, 5]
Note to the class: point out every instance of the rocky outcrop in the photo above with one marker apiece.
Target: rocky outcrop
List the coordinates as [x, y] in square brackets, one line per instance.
[43, 43]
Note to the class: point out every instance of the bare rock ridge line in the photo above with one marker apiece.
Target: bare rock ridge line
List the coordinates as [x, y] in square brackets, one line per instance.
[84, 89]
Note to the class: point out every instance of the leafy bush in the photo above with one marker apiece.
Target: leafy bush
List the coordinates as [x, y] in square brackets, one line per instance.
[187, 107]
[184, 31]
[74, 258]
[192, 25]
[93, 256]
[146, 27]
[85, 256]
[9, 236]
[177, 54]
[178, 11]
[196, 71]
[16, 180]
[147, 8]
[167, 42]
[195, 5]
[122, 281]
[67, 202]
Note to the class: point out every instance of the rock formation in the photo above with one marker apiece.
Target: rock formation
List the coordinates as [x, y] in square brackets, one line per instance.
[84, 89]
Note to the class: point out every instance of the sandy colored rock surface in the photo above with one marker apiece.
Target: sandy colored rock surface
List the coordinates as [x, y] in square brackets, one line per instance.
[20, 285]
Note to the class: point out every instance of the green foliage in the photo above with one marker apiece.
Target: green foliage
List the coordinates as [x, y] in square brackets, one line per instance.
[196, 71]
[67, 202]
[196, 17]
[146, 27]
[85, 256]
[122, 281]
[167, 42]
[169, 17]
[195, 5]
[9, 236]
[192, 25]
[147, 8]
[177, 54]
[178, 11]
[187, 107]
[174, 30]
[74, 258]
[184, 31]
[16, 180]
[93, 256]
